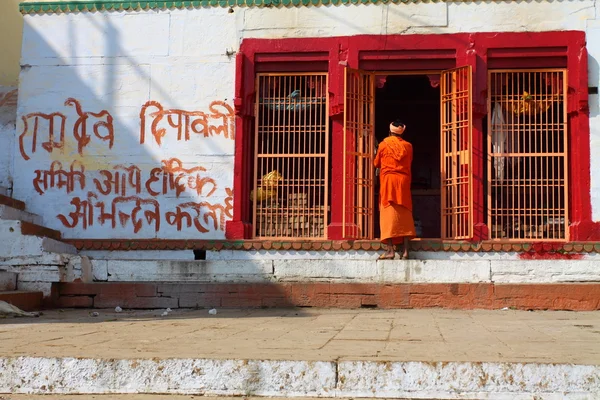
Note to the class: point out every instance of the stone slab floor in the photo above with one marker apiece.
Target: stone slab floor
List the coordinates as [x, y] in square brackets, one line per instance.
[310, 335]
[424, 354]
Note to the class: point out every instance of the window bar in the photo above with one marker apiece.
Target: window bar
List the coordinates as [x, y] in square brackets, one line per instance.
[253, 194]
[528, 198]
[290, 174]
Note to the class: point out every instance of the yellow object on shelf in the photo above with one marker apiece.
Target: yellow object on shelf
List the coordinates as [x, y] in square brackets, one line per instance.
[268, 187]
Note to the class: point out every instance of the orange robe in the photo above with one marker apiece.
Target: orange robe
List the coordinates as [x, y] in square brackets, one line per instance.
[394, 158]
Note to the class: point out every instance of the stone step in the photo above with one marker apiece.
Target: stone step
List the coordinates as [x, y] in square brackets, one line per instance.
[20, 238]
[9, 201]
[417, 354]
[11, 213]
[32, 229]
[8, 281]
[25, 300]
[345, 270]
[301, 379]
[465, 296]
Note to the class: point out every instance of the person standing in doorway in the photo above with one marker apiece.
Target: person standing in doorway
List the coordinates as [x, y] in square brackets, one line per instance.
[394, 159]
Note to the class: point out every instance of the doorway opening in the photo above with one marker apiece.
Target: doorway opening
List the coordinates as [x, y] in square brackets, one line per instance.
[415, 99]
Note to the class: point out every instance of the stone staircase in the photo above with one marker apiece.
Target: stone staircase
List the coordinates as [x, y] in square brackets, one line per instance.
[32, 257]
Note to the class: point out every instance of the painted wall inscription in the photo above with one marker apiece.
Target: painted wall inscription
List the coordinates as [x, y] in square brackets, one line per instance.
[48, 131]
[159, 121]
[168, 192]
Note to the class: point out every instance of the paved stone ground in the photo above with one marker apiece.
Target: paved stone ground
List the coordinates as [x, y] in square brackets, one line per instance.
[310, 334]
[426, 353]
[113, 397]
[135, 397]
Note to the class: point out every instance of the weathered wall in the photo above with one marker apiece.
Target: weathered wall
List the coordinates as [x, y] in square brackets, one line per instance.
[144, 103]
[132, 169]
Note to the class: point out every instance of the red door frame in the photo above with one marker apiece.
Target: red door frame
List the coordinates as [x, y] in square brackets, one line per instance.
[413, 53]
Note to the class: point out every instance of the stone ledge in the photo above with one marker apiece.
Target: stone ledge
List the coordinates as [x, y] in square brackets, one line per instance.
[344, 270]
[575, 297]
[11, 202]
[344, 378]
[533, 250]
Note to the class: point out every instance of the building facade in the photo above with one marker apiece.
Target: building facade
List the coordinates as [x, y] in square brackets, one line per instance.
[229, 123]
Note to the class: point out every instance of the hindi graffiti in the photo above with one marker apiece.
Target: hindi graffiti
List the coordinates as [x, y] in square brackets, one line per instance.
[49, 130]
[175, 177]
[138, 198]
[57, 177]
[116, 200]
[158, 121]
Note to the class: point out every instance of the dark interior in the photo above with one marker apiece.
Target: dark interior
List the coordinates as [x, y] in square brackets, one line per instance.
[415, 99]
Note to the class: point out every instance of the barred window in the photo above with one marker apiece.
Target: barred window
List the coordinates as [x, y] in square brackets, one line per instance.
[527, 148]
[291, 161]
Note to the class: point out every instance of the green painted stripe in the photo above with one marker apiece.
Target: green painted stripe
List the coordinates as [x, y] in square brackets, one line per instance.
[57, 6]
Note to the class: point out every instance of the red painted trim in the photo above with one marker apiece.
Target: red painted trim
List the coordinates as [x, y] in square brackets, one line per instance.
[549, 249]
[414, 52]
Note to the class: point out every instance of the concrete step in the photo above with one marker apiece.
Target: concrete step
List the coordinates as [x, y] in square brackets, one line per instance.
[20, 238]
[145, 397]
[8, 281]
[9, 201]
[424, 354]
[347, 270]
[32, 229]
[25, 300]
[11, 213]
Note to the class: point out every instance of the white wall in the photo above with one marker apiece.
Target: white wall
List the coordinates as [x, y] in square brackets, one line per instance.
[117, 61]
[114, 63]
[593, 46]
[8, 115]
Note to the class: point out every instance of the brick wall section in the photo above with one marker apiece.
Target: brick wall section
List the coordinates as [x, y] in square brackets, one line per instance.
[575, 296]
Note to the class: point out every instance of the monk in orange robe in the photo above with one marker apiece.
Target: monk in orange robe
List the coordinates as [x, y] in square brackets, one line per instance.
[394, 158]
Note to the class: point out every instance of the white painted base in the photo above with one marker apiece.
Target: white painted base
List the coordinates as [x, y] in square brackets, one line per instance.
[452, 380]
[182, 271]
[361, 271]
[349, 255]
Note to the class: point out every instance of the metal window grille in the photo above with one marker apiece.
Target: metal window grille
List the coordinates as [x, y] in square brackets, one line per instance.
[359, 154]
[527, 148]
[290, 196]
[456, 193]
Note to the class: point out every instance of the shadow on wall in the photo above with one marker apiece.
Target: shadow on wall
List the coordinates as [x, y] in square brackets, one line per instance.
[103, 149]
[111, 144]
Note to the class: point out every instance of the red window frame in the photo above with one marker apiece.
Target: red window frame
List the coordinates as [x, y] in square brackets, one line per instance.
[412, 53]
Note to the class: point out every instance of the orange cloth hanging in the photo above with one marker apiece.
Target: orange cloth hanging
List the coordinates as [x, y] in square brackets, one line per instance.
[394, 159]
